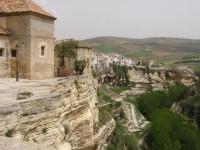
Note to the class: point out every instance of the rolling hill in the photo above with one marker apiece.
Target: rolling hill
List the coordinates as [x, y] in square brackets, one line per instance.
[146, 48]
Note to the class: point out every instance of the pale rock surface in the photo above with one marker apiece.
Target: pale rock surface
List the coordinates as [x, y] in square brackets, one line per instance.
[137, 76]
[14, 144]
[156, 79]
[135, 121]
[61, 112]
[104, 134]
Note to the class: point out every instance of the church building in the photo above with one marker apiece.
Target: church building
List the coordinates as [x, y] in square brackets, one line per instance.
[26, 40]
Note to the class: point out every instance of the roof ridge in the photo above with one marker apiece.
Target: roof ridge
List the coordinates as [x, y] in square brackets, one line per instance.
[23, 6]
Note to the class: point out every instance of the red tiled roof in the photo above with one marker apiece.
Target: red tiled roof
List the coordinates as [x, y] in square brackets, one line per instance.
[8, 7]
[4, 31]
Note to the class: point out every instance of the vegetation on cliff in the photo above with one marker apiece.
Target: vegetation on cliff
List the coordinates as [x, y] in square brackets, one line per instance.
[121, 74]
[191, 108]
[169, 131]
[67, 49]
[79, 66]
[122, 140]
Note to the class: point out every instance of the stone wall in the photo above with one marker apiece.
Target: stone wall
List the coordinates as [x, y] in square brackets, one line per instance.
[59, 112]
[30, 32]
[19, 26]
[85, 53]
[42, 33]
[3, 22]
[4, 63]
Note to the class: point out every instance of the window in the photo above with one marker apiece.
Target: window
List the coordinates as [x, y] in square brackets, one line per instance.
[13, 53]
[42, 47]
[1, 52]
[43, 51]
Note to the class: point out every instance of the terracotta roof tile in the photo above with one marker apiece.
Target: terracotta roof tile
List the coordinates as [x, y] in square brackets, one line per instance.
[4, 31]
[22, 6]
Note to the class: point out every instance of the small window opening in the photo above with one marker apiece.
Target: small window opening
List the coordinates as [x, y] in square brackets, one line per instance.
[42, 50]
[13, 53]
[1, 52]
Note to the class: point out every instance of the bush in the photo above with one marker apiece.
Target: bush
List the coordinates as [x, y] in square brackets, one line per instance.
[130, 142]
[79, 66]
[44, 130]
[149, 102]
[170, 132]
[9, 132]
[105, 115]
[121, 73]
[191, 108]
[177, 92]
[121, 139]
[103, 97]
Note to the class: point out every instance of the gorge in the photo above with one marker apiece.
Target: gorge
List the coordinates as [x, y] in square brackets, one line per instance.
[66, 114]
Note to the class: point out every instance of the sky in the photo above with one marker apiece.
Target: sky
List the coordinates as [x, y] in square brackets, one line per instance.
[83, 19]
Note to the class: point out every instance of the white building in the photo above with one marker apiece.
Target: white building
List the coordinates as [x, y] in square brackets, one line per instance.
[102, 61]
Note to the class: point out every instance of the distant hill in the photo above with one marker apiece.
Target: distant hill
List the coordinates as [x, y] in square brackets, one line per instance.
[158, 47]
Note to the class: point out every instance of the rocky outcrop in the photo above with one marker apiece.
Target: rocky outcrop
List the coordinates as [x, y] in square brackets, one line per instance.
[176, 108]
[104, 134]
[138, 76]
[156, 79]
[61, 113]
[135, 121]
[15, 144]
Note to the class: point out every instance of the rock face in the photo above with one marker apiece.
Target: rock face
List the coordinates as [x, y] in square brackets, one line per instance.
[104, 134]
[14, 144]
[61, 113]
[156, 79]
[135, 121]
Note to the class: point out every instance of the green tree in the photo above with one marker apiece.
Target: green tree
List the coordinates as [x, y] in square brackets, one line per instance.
[67, 49]
[170, 131]
[177, 92]
[149, 102]
[122, 140]
[120, 73]
[79, 66]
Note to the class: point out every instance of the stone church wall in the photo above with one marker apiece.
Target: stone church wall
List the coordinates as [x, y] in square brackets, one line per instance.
[42, 34]
[19, 26]
[4, 63]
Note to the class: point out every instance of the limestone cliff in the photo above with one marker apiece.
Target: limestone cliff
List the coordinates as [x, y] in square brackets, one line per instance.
[135, 121]
[157, 79]
[61, 113]
[104, 135]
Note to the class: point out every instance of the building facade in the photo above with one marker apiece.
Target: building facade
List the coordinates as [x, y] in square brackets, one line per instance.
[26, 37]
[65, 67]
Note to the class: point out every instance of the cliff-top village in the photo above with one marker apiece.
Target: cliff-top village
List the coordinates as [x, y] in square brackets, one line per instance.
[27, 44]
[103, 93]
